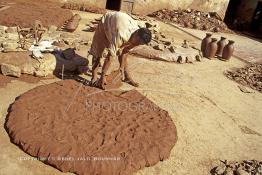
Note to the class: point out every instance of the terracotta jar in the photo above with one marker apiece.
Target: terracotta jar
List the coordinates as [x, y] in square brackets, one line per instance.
[220, 46]
[228, 50]
[73, 23]
[211, 48]
[205, 42]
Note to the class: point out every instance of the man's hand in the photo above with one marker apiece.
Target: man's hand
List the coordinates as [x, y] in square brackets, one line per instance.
[101, 83]
[93, 82]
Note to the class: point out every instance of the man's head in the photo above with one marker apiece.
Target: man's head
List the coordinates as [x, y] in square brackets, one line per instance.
[140, 37]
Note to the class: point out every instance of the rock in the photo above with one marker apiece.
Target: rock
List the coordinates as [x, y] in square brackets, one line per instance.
[188, 10]
[166, 41]
[10, 46]
[242, 172]
[51, 36]
[12, 36]
[59, 44]
[171, 49]
[188, 17]
[11, 70]
[198, 58]
[2, 40]
[159, 47]
[229, 171]
[41, 73]
[52, 28]
[259, 169]
[174, 19]
[73, 23]
[148, 25]
[70, 38]
[68, 35]
[186, 24]
[185, 44]
[2, 28]
[153, 43]
[216, 29]
[11, 30]
[248, 168]
[37, 54]
[162, 35]
[220, 169]
[249, 162]
[181, 59]
[46, 66]
[204, 27]
[189, 59]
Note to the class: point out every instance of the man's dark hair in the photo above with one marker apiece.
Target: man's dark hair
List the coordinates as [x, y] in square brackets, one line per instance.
[145, 34]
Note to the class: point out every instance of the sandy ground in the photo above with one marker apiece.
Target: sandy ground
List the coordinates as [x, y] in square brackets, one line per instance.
[214, 119]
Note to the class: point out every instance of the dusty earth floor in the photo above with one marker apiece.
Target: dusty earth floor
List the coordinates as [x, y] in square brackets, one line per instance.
[214, 119]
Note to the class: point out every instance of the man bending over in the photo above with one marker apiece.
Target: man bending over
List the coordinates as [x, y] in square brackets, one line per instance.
[117, 33]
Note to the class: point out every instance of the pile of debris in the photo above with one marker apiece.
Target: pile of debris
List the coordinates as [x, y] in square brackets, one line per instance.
[83, 7]
[159, 40]
[191, 18]
[41, 49]
[249, 76]
[21, 39]
[163, 48]
[246, 167]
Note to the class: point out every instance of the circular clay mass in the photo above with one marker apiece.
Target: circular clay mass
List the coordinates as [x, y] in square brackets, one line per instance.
[87, 131]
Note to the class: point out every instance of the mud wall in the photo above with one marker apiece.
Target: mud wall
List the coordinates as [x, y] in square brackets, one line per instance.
[95, 3]
[148, 6]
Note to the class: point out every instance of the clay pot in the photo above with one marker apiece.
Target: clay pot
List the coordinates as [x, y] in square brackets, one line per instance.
[205, 42]
[228, 50]
[211, 48]
[73, 23]
[77, 16]
[220, 46]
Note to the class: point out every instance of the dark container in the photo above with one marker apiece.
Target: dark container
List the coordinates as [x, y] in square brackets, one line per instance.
[220, 46]
[211, 49]
[228, 50]
[205, 42]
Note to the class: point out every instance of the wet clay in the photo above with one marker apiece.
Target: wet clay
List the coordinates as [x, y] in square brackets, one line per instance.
[4, 80]
[89, 131]
[114, 80]
[24, 13]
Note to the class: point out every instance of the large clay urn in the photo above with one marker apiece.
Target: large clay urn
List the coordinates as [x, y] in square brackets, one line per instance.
[211, 48]
[73, 23]
[220, 46]
[228, 50]
[205, 42]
